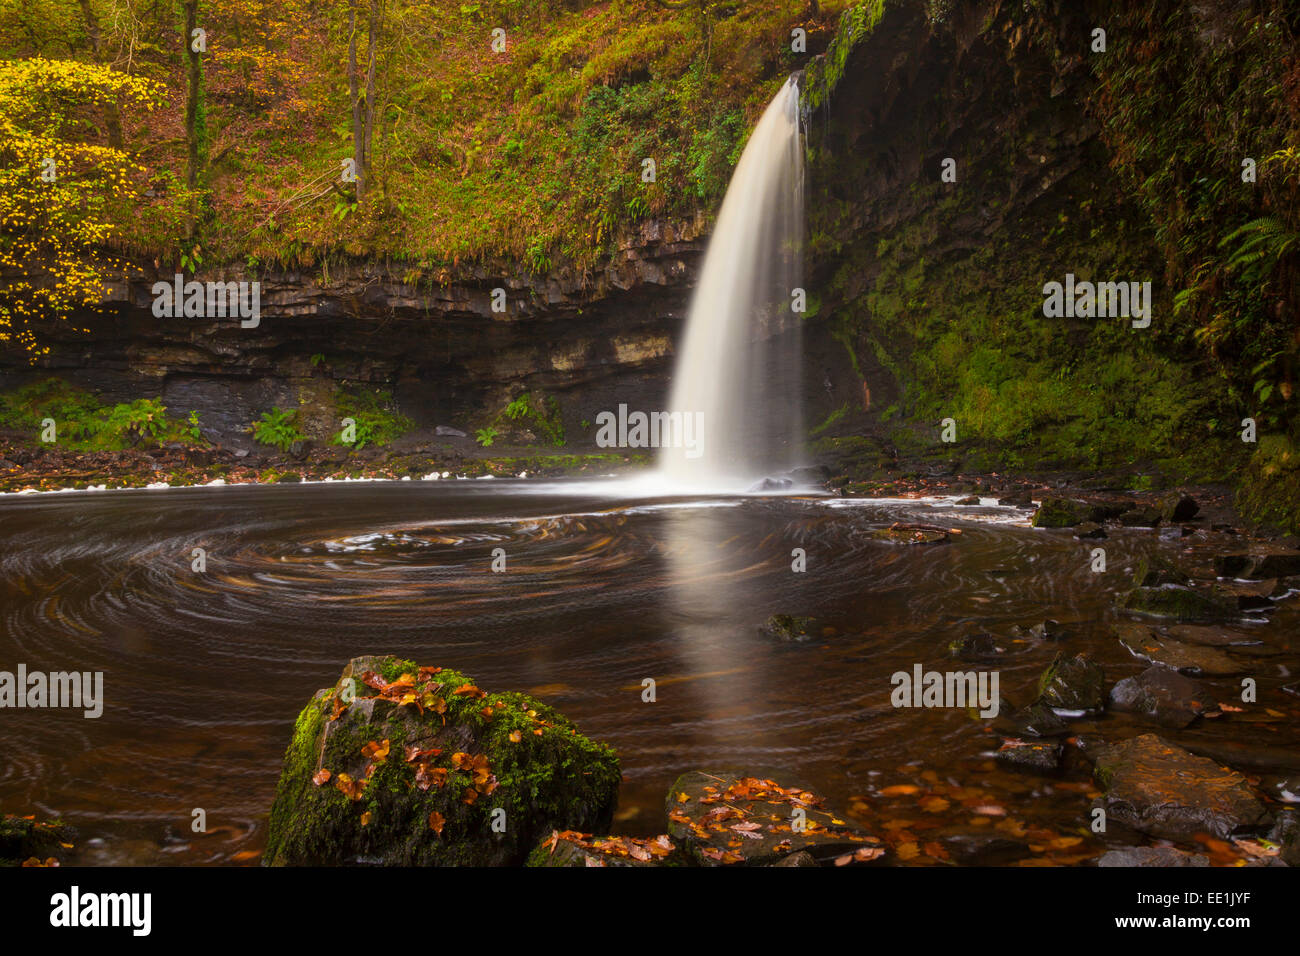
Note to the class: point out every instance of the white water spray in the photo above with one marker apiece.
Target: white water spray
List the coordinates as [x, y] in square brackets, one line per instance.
[739, 367]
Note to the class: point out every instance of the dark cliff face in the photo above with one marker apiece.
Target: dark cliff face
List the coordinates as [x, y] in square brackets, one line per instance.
[591, 340]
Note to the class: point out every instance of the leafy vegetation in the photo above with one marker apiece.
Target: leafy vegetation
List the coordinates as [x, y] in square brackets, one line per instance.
[278, 428]
[375, 421]
[82, 422]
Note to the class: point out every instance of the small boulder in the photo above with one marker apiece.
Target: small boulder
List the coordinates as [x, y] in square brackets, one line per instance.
[1073, 686]
[1161, 789]
[790, 629]
[1162, 695]
[726, 818]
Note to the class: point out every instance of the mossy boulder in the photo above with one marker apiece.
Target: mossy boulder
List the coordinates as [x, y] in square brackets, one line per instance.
[1073, 686]
[24, 838]
[404, 765]
[1064, 513]
[1183, 603]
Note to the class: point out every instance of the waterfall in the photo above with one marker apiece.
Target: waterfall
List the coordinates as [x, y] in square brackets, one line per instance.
[738, 371]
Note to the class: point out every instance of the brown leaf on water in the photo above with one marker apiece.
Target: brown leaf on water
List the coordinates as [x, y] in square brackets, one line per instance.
[908, 851]
[989, 810]
[934, 804]
[1065, 842]
[243, 855]
[935, 850]
[321, 776]
[900, 790]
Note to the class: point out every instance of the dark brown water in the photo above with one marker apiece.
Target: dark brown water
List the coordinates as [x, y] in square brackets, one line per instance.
[204, 673]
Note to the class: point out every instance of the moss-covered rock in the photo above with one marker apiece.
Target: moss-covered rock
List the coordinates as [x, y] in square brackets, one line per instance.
[1185, 604]
[26, 838]
[1073, 685]
[405, 765]
[790, 629]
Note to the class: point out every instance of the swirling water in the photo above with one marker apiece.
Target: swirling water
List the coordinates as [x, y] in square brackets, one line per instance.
[205, 672]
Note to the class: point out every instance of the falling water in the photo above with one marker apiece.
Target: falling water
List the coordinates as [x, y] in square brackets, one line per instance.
[738, 373]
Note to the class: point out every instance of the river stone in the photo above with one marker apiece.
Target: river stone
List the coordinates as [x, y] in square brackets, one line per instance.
[802, 858]
[1153, 570]
[1063, 513]
[727, 818]
[1286, 833]
[790, 629]
[1211, 636]
[1186, 604]
[1073, 686]
[453, 750]
[1140, 517]
[1152, 856]
[567, 848]
[1176, 506]
[1037, 720]
[1277, 564]
[1037, 756]
[977, 846]
[1161, 694]
[1197, 660]
[1089, 529]
[22, 839]
[1161, 789]
[446, 431]
[976, 647]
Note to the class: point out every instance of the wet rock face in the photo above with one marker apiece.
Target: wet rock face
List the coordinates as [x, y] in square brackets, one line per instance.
[1192, 659]
[1163, 790]
[1162, 695]
[724, 818]
[595, 338]
[1073, 686]
[405, 765]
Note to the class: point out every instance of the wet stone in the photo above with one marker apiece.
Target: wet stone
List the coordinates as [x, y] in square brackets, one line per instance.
[724, 819]
[1073, 686]
[1194, 659]
[1186, 604]
[790, 629]
[1162, 695]
[1037, 720]
[979, 847]
[1161, 789]
[1036, 756]
[1152, 856]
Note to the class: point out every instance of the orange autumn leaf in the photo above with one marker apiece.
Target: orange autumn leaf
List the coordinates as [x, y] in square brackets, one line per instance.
[436, 822]
[321, 776]
[516, 736]
[900, 790]
[376, 751]
[243, 855]
[908, 851]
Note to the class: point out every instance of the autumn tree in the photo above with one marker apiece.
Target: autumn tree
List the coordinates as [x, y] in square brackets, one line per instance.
[56, 189]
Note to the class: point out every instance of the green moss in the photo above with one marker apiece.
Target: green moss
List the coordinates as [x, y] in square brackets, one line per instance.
[547, 776]
[1269, 493]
